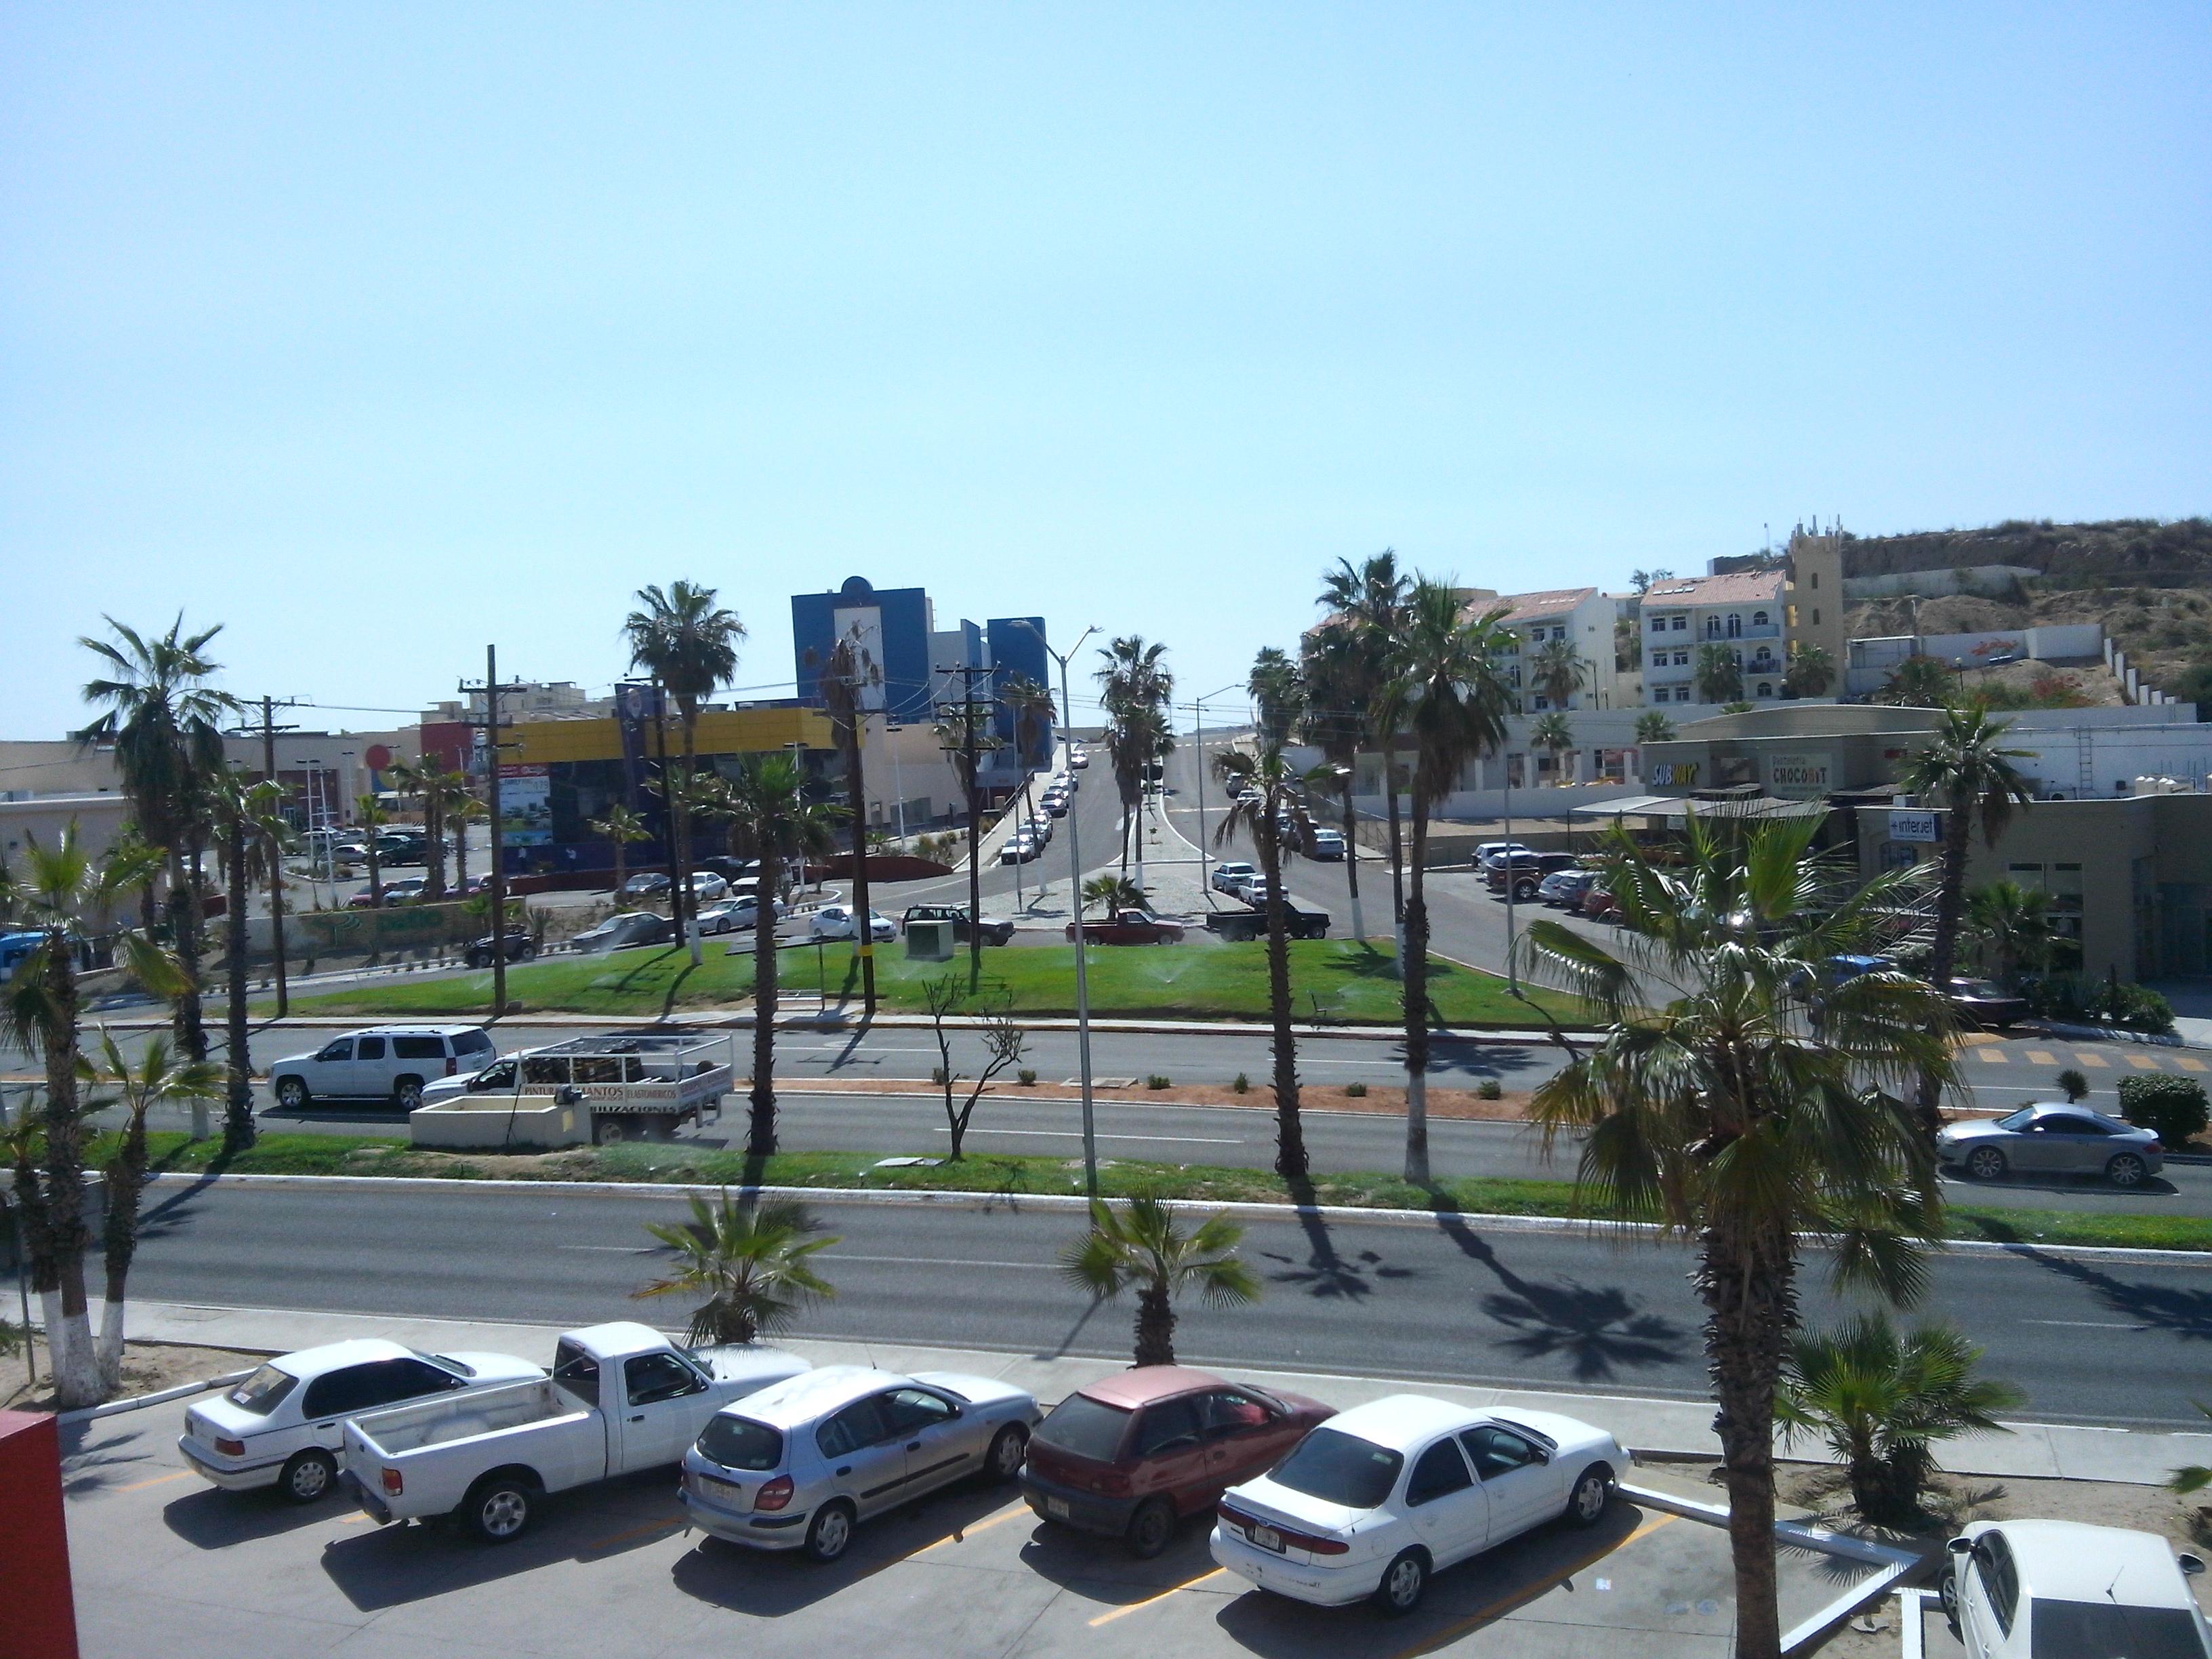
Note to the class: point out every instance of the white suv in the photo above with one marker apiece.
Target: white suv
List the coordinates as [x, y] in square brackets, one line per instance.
[384, 1062]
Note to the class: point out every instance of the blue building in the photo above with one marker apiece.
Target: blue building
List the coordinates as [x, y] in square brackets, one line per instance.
[915, 668]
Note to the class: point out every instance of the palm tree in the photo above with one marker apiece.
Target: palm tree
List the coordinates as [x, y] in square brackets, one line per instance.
[64, 894]
[1278, 695]
[1883, 1401]
[621, 827]
[1554, 734]
[1652, 727]
[1716, 1105]
[1264, 789]
[249, 820]
[158, 1078]
[1556, 670]
[1134, 688]
[1719, 675]
[1140, 1245]
[165, 724]
[2010, 926]
[1034, 711]
[844, 684]
[1919, 682]
[1967, 773]
[965, 736]
[689, 644]
[1812, 670]
[750, 1263]
[369, 812]
[1333, 667]
[1114, 892]
[422, 779]
[459, 806]
[1367, 603]
[772, 820]
[1450, 697]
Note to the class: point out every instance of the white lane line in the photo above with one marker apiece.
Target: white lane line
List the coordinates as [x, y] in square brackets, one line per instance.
[615, 1249]
[933, 1261]
[1076, 1135]
[2087, 1324]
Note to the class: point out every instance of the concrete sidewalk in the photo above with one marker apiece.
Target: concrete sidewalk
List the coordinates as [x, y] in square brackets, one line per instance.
[1663, 1428]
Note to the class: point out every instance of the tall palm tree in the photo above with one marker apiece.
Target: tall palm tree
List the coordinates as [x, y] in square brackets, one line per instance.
[621, 827]
[1448, 696]
[845, 683]
[772, 820]
[1034, 711]
[248, 820]
[66, 895]
[1719, 675]
[1134, 688]
[1265, 789]
[164, 723]
[1555, 669]
[1367, 603]
[1967, 773]
[1139, 1246]
[158, 1078]
[369, 813]
[459, 807]
[1881, 1401]
[751, 1264]
[1554, 733]
[1716, 1104]
[1278, 695]
[2010, 926]
[689, 644]
[966, 737]
[422, 778]
[1331, 663]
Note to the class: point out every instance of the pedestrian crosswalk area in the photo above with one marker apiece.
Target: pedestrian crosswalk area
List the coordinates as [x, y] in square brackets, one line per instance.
[1984, 1048]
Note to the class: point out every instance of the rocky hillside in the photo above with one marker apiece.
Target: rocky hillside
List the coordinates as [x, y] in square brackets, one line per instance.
[2115, 552]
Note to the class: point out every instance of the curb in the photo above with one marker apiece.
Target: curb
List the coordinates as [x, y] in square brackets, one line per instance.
[1239, 1211]
[2114, 1034]
[159, 1397]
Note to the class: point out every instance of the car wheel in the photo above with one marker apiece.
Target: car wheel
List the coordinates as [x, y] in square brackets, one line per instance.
[479, 959]
[1947, 1592]
[1009, 1450]
[2126, 1169]
[1403, 1581]
[292, 1094]
[307, 1476]
[1152, 1529]
[499, 1510]
[1586, 1503]
[1985, 1164]
[407, 1093]
[830, 1531]
[526, 952]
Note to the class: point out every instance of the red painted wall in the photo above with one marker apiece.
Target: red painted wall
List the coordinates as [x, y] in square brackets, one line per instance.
[35, 1565]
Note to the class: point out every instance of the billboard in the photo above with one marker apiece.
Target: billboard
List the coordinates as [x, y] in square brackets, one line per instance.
[526, 805]
[1801, 777]
[1912, 826]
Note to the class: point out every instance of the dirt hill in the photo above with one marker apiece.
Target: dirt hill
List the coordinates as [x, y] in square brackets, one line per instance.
[2116, 551]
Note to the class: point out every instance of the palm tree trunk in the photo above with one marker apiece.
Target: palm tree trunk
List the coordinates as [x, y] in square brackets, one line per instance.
[622, 859]
[124, 1180]
[856, 796]
[186, 1017]
[274, 853]
[238, 1119]
[679, 891]
[1397, 849]
[760, 1139]
[434, 836]
[1746, 1279]
[1155, 1330]
[1414, 969]
[69, 1337]
[1950, 905]
[1352, 861]
[1290, 1132]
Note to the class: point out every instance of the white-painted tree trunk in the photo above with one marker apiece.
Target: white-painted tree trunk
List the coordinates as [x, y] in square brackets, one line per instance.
[202, 1126]
[50, 1311]
[1358, 922]
[110, 1353]
[1417, 1128]
[1140, 830]
[77, 1368]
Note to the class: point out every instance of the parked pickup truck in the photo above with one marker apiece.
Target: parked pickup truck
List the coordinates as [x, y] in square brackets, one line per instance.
[622, 1397]
[1130, 928]
[1251, 922]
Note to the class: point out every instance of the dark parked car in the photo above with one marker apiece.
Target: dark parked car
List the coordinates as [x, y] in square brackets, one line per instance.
[1528, 870]
[1130, 1455]
[1981, 1003]
[517, 945]
[996, 929]
[1300, 921]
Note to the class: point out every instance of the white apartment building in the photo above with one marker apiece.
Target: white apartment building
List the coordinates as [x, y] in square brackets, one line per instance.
[1744, 612]
[1582, 614]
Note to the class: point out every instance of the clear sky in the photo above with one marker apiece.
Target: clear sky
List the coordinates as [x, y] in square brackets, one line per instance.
[378, 331]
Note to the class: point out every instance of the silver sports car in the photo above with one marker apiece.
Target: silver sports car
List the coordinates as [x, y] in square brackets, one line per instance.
[798, 1464]
[2052, 1138]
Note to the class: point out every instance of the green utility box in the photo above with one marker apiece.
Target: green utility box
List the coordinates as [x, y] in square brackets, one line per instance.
[930, 941]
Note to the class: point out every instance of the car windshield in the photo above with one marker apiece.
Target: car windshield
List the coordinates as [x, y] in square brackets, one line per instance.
[1976, 988]
[2107, 1630]
[1087, 1427]
[1341, 1469]
[260, 1393]
[738, 1442]
[2018, 1120]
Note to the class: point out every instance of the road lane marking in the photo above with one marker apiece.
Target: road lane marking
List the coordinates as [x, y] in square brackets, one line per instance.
[960, 1535]
[1975, 1039]
[1188, 1583]
[2187, 1064]
[158, 1480]
[2142, 1062]
[1076, 1135]
[1993, 1057]
[933, 1261]
[1651, 1523]
[2087, 1324]
[2042, 1057]
[2097, 1060]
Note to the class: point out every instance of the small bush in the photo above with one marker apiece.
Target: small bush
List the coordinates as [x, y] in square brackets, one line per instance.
[1240, 1083]
[1356, 1090]
[2074, 1085]
[1158, 1080]
[937, 1075]
[2136, 1008]
[1489, 1088]
[1026, 1077]
[2174, 1107]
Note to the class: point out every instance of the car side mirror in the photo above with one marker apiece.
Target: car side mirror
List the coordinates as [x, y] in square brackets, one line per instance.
[1961, 1546]
[2191, 1565]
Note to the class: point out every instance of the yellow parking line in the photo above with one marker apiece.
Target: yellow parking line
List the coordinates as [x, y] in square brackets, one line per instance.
[2097, 1060]
[158, 1480]
[2187, 1064]
[2142, 1062]
[1109, 1616]
[1452, 1632]
[1006, 1514]
[2042, 1057]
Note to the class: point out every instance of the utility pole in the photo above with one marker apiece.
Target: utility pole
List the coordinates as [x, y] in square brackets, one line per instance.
[968, 764]
[491, 730]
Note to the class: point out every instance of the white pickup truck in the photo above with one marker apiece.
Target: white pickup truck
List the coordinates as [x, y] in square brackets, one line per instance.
[622, 1397]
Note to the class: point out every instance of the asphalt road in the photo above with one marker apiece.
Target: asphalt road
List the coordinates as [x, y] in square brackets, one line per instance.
[2118, 1345]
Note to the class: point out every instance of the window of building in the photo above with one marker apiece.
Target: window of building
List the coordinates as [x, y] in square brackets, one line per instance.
[1682, 659]
[1759, 619]
[1816, 615]
[1735, 626]
[1680, 624]
[1658, 624]
[1765, 689]
[1815, 581]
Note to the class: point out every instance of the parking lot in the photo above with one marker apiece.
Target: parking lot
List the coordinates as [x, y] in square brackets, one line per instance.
[615, 1571]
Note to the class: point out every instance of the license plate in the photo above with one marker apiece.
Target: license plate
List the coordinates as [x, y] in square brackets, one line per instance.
[1267, 1539]
[1056, 1508]
[706, 1485]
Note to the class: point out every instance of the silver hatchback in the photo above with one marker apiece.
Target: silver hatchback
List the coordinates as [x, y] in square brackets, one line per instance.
[799, 1464]
[2052, 1138]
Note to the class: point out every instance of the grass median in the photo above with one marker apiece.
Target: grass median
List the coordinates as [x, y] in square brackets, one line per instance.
[1332, 981]
[675, 1162]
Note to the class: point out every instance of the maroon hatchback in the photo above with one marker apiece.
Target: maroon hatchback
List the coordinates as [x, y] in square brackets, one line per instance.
[1129, 1456]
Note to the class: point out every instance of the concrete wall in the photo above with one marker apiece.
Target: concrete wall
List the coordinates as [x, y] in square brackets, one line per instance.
[1990, 579]
[1870, 662]
[99, 819]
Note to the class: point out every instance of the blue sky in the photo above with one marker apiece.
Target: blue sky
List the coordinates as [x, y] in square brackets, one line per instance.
[374, 332]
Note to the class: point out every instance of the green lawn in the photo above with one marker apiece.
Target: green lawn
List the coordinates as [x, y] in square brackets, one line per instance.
[298, 1154]
[1332, 981]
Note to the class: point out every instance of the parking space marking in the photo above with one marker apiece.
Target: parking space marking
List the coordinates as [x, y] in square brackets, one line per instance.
[1110, 1615]
[961, 1534]
[1651, 1523]
[934, 1262]
[2042, 1057]
[2142, 1062]
[158, 1480]
[2097, 1060]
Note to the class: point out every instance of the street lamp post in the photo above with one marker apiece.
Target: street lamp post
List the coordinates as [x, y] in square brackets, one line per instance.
[1075, 906]
[891, 728]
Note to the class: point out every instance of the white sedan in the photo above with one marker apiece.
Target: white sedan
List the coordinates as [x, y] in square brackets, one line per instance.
[2016, 1589]
[1377, 1498]
[835, 921]
[282, 1426]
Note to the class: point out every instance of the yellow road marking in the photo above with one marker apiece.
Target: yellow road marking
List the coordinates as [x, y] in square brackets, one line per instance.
[357, 1520]
[2142, 1062]
[2042, 1057]
[1109, 1616]
[158, 1480]
[1977, 1039]
[2187, 1064]
[1993, 1056]
[985, 1525]
[1452, 1632]
[2097, 1060]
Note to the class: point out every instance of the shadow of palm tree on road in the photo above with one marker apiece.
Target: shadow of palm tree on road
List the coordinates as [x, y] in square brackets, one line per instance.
[2185, 1311]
